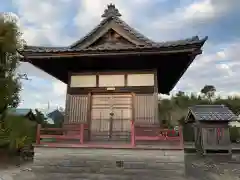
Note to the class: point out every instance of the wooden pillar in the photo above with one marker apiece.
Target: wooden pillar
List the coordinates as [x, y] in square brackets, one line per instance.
[181, 137]
[133, 140]
[89, 116]
[81, 133]
[38, 133]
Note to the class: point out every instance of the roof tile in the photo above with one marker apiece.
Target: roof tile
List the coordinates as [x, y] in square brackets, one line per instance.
[212, 113]
[146, 42]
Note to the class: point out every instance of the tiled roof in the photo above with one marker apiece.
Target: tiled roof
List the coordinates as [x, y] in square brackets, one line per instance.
[112, 15]
[121, 23]
[212, 113]
[56, 115]
[167, 44]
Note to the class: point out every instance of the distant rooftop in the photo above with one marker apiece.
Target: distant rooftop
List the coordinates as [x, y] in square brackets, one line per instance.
[212, 113]
[19, 111]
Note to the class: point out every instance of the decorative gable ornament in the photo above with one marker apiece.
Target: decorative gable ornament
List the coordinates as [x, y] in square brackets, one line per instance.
[111, 11]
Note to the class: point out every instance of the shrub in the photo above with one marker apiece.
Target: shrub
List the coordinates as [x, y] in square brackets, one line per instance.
[17, 132]
[234, 133]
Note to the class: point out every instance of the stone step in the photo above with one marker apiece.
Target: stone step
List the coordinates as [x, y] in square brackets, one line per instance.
[104, 168]
[74, 163]
[167, 172]
[88, 176]
[70, 163]
[103, 154]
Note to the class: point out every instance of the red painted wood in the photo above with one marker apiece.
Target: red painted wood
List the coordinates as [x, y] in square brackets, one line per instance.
[138, 133]
[105, 146]
[153, 131]
[81, 133]
[156, 138]
[60, 136]
[76, 132]
[74, 125]
[38, 134]
[62, 129]
[133, 141]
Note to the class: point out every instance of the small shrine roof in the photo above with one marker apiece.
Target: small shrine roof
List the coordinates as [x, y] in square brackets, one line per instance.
[212, 113]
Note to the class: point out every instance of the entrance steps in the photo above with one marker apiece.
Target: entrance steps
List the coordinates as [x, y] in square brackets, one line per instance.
[115, 164]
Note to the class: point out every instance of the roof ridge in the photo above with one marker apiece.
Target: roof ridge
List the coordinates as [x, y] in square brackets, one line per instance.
[173, 43]
[135, 31]
[73, 45]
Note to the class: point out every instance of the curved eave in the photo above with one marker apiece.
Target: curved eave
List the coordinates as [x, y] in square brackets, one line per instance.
[157, 49]
[191, 59]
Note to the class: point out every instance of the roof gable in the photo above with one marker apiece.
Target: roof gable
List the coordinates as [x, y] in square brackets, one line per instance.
[128, 39]
[211, 113]
[55, 114]
[112, 22]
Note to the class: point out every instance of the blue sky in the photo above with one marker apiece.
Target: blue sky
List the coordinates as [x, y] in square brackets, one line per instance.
[61, 22]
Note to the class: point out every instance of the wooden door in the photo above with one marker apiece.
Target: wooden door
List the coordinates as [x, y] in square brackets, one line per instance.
[223, 137]
[111, 115]
[122, 115]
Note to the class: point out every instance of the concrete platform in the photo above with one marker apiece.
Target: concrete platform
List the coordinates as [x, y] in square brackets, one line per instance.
[77, 163]
[196, 168]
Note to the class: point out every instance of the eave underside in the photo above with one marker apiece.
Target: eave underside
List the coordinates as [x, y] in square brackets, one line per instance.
[170, 68]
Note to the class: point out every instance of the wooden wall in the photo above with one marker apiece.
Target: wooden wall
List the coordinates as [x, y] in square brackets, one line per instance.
[146, 106]
[142, 84]
[145, 109]
[76, 109]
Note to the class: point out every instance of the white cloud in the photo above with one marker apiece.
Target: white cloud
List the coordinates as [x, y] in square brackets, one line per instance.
[199, 11]
[218, 69]
[221, 54]
[191, 16]
[59, 88]
[42, 23]
[89, 12]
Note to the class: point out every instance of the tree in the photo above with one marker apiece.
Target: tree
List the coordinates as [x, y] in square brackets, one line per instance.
[208, 91]
[40, 118]
[10, 43]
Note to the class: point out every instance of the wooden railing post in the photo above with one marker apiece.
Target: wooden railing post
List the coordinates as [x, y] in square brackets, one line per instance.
[81, 133]
[133, 143]
[38, 133]
[180, 130]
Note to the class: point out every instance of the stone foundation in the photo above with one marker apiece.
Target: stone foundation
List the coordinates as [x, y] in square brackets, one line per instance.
[76, 163]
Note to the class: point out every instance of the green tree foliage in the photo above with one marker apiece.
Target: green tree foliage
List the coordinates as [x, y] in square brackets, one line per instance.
[10, 43]
[17, 133]
[175, 109]
[40, 118]
[208, 91]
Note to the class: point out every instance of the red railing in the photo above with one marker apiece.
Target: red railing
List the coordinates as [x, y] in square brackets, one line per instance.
[64, 133]
[138, 133]
[154, 133]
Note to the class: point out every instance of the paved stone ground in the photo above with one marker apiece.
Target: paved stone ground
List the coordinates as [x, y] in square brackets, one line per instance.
[196, 168]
